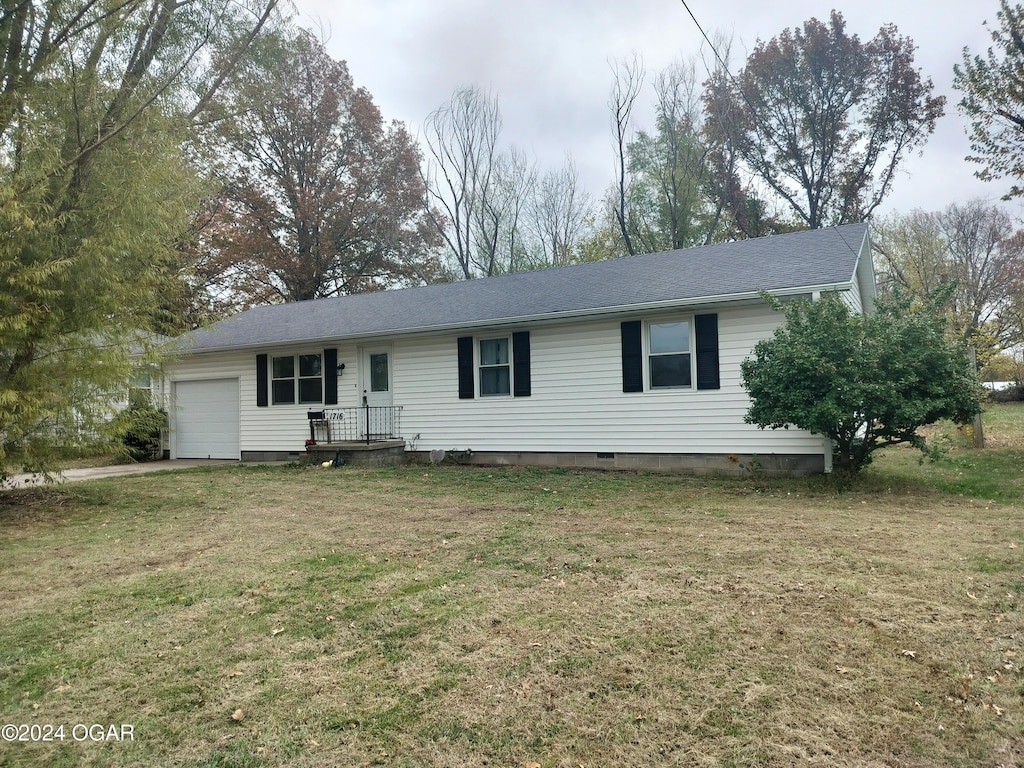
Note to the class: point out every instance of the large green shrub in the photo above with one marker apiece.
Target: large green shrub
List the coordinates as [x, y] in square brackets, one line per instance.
[137, 430]
[865, 382]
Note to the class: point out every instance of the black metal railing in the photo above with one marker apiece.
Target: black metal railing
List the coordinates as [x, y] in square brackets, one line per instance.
[356, 424]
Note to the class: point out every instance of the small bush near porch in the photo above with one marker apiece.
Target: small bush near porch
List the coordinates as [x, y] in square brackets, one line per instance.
[443, 616]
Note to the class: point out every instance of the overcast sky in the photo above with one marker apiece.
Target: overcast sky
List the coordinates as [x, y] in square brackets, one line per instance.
[548, 63]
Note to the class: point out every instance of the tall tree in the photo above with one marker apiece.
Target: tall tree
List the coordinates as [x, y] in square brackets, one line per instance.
[669, 204]
[475, 193]
[825, 120]
[993, 100]
[627, 83]
[738, 210]
[679, 184]
[975, 249]
[94, 101]
[558, 214]
[318, 196]
[503, 245]
[910, 253]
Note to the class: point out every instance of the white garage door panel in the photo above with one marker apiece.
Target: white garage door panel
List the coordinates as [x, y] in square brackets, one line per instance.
[206, 419]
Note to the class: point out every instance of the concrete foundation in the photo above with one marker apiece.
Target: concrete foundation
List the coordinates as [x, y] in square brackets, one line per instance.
[773, 465]
[385, 452]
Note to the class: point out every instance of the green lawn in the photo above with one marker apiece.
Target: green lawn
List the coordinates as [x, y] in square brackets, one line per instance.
[451, 616]
[995, 473]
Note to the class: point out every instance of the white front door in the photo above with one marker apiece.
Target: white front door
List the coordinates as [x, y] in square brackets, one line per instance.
[376, 422]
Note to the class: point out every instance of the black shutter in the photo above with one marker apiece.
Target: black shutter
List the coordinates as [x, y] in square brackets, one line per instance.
[330, 377]
[521, 364]
[262, 381]
[707, 351]
[466, 368]
[632, 357]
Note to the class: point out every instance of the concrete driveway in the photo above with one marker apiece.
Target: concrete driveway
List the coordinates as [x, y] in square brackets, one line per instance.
[114, 470]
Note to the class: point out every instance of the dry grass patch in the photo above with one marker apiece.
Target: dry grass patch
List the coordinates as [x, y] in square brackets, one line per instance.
[465, 616]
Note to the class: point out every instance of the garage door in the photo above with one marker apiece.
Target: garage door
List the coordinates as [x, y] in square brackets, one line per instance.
[206, 419]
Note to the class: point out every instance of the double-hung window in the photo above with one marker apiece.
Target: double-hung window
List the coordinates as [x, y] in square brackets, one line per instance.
[297, 378]
[670, 353]
[495, 367]
[141, 389]
[669, 356]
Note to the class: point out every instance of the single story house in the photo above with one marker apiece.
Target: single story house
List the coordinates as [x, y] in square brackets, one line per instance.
[626, 363]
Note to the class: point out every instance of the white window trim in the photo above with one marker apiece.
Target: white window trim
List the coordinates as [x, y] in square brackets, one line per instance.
[479, 366]
[691, 351]
[295, 379]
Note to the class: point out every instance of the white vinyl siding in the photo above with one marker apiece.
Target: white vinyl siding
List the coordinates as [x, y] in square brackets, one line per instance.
[577, 403]
[273, 428]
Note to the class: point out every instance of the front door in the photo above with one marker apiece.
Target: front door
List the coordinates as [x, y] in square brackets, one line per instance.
[376, 421]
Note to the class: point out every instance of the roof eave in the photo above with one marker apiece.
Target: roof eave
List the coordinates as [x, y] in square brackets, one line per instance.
[547, 317]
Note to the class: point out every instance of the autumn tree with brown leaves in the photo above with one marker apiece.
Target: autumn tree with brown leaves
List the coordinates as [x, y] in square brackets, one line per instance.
[975, 248]
[823, 119]
[318, 196]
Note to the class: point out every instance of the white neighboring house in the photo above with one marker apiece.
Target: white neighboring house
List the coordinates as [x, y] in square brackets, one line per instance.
[625, 363]
[150, 384]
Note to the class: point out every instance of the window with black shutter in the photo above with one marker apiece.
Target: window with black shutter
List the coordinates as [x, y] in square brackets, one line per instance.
[494, 366]
[670, 353]
[291, 379]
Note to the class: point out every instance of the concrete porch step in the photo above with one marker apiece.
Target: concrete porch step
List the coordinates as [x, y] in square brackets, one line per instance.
[359, 453]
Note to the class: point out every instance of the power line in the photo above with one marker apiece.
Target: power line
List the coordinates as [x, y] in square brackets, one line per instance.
[762, 124]
[736, 83]
[711, 45]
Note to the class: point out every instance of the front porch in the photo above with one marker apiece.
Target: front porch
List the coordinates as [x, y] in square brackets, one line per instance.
[366, 435]
[359, 453]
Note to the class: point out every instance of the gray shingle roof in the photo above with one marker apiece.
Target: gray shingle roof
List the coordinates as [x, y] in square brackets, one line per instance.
[815, 258]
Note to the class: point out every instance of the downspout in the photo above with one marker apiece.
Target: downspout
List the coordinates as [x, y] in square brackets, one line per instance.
[825, 442]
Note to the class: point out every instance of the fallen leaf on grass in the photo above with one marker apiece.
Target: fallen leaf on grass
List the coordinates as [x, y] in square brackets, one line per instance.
[910, 654]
